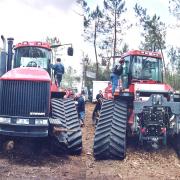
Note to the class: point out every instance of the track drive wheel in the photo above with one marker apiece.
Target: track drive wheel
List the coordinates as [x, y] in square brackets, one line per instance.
[110, 134]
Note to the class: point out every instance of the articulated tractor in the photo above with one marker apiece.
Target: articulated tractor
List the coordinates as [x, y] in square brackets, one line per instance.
[143, 107]
[31, 105]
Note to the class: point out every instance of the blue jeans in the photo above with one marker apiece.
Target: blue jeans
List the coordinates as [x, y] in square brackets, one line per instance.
[58, 79]
[114, 80]
[81, 115]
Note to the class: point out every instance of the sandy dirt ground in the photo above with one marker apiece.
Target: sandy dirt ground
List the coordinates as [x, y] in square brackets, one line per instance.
[24, 163]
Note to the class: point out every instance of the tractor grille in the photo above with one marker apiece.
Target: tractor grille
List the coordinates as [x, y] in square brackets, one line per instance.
[24, 98]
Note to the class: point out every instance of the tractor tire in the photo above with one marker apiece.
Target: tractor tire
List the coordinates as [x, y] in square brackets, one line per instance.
[110, 134]
[58, 113]
[72, 123]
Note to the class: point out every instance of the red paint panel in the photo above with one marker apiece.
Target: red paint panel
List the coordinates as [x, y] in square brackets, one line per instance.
[27, 73]
[54, 87]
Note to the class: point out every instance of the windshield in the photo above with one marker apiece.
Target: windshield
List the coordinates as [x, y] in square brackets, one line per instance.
[32, 57]
[147, 68]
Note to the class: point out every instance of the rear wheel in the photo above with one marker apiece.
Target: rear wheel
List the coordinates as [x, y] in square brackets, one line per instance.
[110, 135]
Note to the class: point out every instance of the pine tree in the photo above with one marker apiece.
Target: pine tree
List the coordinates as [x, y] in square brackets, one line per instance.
[154, 31]
[93, 26]
[174, 8]
[114, 10]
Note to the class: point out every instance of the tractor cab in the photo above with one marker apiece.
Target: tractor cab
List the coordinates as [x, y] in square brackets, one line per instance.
[35, 54]
[142, 66]
[32, 54]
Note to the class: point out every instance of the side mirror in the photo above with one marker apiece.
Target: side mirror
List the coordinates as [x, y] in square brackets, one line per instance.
[70, 51]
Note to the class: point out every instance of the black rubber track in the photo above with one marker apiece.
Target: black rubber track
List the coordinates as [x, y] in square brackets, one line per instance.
[58, 113]
[58, 110]
[72, 123]
[110, 134]
[65, 110]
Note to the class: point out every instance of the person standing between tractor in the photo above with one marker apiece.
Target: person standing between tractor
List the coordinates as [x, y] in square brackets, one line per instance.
[116, 73]
[97, 108]
[80, 106]
[58, 71]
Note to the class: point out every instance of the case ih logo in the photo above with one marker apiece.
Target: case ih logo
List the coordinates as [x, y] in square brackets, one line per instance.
[37, 113]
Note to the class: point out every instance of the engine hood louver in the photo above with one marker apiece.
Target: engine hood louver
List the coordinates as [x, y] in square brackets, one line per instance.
[24, 98]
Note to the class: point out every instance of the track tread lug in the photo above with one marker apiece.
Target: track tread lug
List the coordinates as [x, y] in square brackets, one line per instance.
[110, 135]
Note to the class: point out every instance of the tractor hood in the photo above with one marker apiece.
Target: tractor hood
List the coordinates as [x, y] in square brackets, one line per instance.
[27, 73]
[150, 87]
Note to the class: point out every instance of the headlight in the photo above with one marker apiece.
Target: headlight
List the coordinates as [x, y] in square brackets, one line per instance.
[22, 121]
[41, 122]
[5, 120]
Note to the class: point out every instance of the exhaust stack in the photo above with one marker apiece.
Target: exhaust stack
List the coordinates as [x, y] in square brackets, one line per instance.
[4, 43]
[3, 57]
[10, 53]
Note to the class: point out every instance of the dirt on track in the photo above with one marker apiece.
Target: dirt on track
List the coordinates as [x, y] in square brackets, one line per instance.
[23, 163]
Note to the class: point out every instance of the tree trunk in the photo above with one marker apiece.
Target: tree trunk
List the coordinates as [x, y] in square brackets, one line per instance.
[95, 51]
[115, 32]
[165, 75]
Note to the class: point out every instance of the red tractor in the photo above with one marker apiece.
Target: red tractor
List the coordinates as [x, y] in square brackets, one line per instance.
[31, 105]
[144, 108]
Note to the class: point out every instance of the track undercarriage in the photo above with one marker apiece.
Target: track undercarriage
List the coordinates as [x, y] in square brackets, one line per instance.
[154, 121]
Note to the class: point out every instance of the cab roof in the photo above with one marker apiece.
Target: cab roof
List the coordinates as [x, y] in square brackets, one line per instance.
[33, 43]
[142, 53]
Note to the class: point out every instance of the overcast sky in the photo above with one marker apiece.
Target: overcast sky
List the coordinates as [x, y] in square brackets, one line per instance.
[31, 20]
[34, 20]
